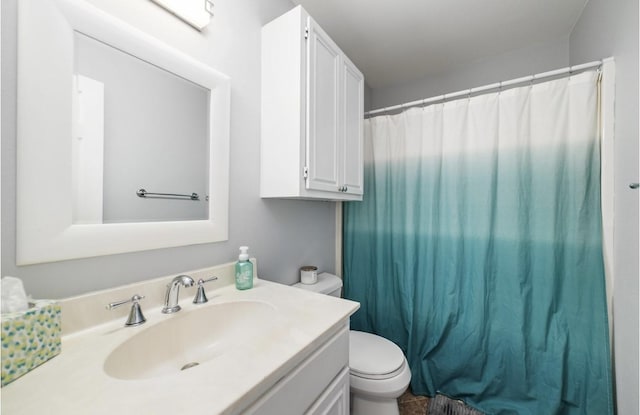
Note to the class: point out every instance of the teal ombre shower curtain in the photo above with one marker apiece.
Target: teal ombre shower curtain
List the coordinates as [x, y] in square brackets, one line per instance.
[478, 248]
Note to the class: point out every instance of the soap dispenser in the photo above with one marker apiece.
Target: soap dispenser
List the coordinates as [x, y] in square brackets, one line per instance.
[244, 270]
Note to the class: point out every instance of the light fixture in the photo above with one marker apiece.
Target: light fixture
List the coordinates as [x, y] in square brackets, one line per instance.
[196, 13]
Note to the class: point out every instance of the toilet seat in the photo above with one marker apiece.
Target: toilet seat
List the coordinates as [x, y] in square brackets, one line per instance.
[374, 357]
[390, 388]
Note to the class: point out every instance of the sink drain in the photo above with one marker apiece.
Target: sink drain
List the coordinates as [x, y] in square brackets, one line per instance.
[189, 365]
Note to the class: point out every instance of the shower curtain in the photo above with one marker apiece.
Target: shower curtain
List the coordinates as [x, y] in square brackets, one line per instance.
[477, 248]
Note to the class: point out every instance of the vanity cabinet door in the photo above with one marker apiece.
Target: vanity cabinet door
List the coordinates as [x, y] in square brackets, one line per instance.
[335, 399]
[310, 383]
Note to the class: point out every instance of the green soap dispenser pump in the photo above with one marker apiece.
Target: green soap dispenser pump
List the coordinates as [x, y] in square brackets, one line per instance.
[244, 270]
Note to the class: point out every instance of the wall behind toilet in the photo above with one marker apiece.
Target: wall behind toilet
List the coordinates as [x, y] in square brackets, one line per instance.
[282, 234]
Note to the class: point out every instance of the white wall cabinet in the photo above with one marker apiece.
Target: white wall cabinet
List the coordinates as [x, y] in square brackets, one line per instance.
[312, 113]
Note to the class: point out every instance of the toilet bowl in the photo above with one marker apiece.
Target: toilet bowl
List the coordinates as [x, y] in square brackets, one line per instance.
[379, 372]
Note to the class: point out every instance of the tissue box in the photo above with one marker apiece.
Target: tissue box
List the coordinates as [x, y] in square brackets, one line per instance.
[29, 338]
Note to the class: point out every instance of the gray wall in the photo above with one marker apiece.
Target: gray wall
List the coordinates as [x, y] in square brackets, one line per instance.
[367, 97]
[282, 234]
[533, 59]
[610, 28]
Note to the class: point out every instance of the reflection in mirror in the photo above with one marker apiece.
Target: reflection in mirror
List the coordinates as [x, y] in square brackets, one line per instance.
[103, 111]
[136, 126]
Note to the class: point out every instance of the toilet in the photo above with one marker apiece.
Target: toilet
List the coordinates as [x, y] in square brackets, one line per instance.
[379, 372]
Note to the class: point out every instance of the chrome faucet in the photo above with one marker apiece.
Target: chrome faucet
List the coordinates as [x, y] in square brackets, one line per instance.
[173, 288]
[135, 314]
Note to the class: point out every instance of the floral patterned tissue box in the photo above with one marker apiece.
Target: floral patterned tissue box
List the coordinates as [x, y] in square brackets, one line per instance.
[29, 338]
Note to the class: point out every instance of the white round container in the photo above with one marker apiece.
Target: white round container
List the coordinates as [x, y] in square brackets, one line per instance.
[309, 274]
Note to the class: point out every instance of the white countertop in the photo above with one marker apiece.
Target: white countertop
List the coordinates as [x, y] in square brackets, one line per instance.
[75, 382]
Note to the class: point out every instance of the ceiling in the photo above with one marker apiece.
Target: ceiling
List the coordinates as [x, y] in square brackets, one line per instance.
[395, 41]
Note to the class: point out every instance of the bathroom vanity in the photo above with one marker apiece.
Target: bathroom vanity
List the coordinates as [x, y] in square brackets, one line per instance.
[272, 349]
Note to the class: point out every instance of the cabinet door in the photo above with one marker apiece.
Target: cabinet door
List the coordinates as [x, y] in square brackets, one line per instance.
[323, 129]
[352, 125]
[335, 399]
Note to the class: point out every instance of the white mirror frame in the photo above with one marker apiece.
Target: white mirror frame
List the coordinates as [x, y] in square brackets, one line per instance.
[45, 232]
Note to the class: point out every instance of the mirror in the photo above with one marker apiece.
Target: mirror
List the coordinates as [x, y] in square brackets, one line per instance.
[136, 126]
[123, 142]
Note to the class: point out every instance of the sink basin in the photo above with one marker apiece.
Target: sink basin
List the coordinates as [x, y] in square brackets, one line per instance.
[190, 338]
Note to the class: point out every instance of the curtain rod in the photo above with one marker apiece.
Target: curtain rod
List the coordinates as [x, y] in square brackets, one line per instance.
[497, 85]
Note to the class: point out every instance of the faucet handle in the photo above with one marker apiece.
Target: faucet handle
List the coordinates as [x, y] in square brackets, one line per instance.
[201, 297]
[135, 314]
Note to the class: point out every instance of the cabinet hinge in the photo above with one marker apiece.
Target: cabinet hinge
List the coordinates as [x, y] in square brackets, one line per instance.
[306, 33]
[305, 173]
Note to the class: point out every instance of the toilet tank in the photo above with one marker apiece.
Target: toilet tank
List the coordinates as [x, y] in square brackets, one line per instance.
[326, 284]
